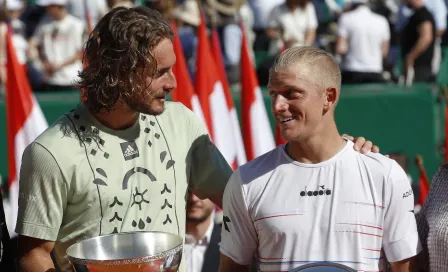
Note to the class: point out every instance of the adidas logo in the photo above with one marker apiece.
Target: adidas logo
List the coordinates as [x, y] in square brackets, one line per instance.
[130, 150]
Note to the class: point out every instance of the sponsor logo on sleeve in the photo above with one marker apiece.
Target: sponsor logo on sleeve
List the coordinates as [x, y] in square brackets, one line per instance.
[407, 194]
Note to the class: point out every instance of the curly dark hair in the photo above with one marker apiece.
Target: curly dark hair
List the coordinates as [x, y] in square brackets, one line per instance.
[118, 52]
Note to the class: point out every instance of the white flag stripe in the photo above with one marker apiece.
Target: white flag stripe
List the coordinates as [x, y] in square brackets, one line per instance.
[241, 154]
[33, 126]
[197, 109]
[262, 137]
[223, 135]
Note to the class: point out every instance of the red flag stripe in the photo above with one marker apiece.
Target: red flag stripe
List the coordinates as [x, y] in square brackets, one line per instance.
[424, 185]
[25, 122]
[19, 104]
[184, 92]
[236, 129]
[212, 98]
[205, 69]
[257, 133]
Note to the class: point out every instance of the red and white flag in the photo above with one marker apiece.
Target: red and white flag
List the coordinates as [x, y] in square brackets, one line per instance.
[211, 95]
[257, 132]
[25, 121]
[184, 92]
[217, 54]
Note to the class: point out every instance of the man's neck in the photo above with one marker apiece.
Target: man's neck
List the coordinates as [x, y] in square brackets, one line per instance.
[60, 16]
[198, 229]
[324, 144]
[118, 119]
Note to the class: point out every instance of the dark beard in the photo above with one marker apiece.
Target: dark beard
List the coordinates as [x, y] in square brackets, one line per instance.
[199, 219]
[143, 108]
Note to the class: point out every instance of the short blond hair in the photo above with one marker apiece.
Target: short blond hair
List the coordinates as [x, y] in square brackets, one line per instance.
[324, 69]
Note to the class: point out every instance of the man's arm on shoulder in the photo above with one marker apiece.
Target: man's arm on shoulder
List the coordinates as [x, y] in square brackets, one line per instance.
[209, 170]
[400, 237]
[226, 264]
[34, 255]
[42, 201]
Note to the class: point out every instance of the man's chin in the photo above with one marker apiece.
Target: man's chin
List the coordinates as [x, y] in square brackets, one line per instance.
[196, 219]
[154, 110]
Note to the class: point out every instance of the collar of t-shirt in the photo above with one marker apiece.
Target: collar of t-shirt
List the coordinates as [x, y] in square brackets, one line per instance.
[130, 133]
[336, 157]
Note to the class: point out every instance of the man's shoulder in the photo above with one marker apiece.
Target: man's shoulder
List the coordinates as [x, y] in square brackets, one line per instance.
[423, 14]
[74, 20]
[379, 19]
[59, 133]
[378, 162]
[261, 166]
[176, 112]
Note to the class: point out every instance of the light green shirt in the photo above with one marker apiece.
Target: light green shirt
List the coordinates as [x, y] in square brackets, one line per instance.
[80, 179]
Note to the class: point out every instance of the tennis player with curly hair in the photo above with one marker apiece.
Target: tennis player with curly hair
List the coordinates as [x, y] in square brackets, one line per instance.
[123, 160]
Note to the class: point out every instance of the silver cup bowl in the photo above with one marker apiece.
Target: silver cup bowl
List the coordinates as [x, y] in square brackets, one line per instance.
[133, 252]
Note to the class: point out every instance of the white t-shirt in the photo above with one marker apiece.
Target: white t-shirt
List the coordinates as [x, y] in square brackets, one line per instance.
[350, 209]
[365, 31]
[18, 40]
[262, 9]
[97, 8]
[293, 24]
[61, 41]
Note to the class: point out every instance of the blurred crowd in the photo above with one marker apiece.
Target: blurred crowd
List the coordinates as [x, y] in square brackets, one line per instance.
[374, 41]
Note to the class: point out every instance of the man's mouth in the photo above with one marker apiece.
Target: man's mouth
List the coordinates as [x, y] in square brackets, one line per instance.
[285, 120]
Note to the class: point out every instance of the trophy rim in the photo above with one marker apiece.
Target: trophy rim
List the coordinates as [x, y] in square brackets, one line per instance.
[126, 261]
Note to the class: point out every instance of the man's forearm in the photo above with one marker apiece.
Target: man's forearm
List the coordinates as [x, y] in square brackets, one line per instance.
[72, 60]
[419, 48]
[423, 42]
[36, 262]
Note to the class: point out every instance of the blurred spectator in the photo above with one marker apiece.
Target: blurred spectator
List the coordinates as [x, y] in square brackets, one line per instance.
[417, 42]
[58, 41]
[248, 19]
[293, 23]
[202, 235]
[230, 35]
[187, 19]
[363, 40]
[163, 6]
[438, 9]
[120, 3]
[97, 9]
[261, 10]
[14, 9]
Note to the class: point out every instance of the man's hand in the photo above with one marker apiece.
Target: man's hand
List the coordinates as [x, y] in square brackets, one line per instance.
[362, 145]
[49, 68]
[409, 64]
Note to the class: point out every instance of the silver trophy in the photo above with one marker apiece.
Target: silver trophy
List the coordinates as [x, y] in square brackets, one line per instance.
[136, 252]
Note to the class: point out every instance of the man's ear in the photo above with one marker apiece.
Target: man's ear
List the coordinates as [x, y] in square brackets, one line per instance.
[331, 95]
